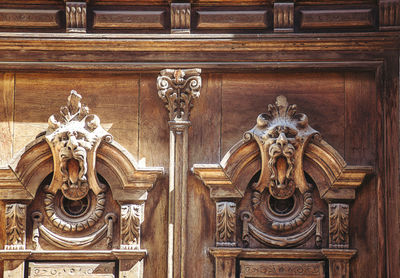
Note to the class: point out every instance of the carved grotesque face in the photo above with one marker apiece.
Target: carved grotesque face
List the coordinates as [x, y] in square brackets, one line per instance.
[74, 136]
[73, 143]
[281, 142]
[281, 135]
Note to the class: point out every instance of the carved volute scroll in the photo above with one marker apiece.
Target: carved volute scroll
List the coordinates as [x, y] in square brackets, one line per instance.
[74, 136]
[282, 135]
[178, 88]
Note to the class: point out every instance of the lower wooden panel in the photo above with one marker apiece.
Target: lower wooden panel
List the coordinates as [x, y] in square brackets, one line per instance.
[281, 269]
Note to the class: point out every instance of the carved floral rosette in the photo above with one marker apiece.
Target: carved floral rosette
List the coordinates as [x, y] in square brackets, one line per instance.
[74, 136]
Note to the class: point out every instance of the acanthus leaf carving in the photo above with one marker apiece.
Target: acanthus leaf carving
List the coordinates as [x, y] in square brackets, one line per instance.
[74, 136]
[338, 225]
[281, 135]
[178, 88]
[15, 226]
[130, 226]
[226, 223]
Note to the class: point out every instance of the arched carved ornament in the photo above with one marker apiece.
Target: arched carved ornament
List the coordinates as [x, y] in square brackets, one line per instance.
[76, 210]
[268, 190]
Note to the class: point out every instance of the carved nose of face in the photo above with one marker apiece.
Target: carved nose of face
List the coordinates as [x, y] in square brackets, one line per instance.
[282, 140]
[72, 143]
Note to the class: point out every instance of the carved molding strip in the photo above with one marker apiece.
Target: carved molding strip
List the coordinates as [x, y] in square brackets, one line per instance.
[15, 226]
[128, 19]
[283, 17]
[389, 14]
[24, 18]
[272, 269]
[226, 224]
[178, 88]
[339, 226]
[75, 17]
[180, 17]
[131, 218]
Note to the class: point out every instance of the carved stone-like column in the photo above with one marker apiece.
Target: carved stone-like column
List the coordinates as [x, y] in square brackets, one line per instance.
[75, 16]
[178, 88]
[180, 18]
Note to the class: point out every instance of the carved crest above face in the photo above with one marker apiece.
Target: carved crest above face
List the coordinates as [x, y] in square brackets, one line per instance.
[282, 135]
[74, 136]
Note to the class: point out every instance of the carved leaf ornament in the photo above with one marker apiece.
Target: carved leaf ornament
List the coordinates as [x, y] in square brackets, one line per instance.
[281, 135]
[15, 224]
[226, 213]
[177, 89]
[339, 224]
[130, 225]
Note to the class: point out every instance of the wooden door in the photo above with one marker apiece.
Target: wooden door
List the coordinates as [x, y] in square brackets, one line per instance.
[190, 181]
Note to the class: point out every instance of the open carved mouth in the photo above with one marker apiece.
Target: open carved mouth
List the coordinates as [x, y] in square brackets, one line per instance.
[75, 185]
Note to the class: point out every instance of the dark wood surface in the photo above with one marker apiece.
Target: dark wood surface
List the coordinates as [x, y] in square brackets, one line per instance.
[339, 64]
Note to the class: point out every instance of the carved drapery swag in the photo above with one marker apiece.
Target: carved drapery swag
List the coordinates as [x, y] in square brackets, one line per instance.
[74, 136]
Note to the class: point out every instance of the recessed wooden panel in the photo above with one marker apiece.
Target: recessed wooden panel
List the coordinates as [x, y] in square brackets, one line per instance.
[129, 19]
[24, 18]
[281, 269]
[345, 18]
[232, 19]
[112, 97]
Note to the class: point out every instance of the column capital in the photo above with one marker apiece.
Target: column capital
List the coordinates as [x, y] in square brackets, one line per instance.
[177, 88]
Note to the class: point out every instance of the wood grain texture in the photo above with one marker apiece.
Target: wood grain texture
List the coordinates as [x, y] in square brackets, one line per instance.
[129, 19]
[153, 124]
[6, 117]
[232, 19]
[113, 97]
[242, 104]
[24, 18]
[361, 148]
[341, 18]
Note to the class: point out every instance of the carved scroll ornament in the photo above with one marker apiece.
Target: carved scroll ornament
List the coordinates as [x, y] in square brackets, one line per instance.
[178, 88]
[74, 136]
[281, 135]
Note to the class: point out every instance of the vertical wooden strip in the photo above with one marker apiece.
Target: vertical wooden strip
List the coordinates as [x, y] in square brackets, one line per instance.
[391, 141]
[361, 149]
[6, 117]
[205, 132]
[154, 151]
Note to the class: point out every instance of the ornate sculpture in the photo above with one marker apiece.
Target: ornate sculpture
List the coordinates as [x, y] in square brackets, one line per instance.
[74, 136]
[130, 226]
[282, 135]
[177, 88]
[15, 226]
